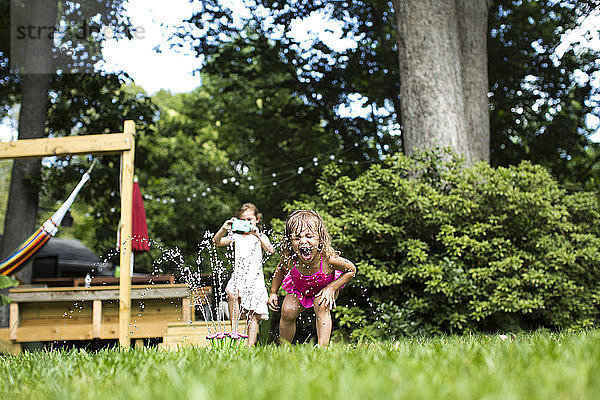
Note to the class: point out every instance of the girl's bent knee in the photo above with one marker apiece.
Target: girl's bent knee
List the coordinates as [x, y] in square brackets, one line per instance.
[289, 314]
[321, 310]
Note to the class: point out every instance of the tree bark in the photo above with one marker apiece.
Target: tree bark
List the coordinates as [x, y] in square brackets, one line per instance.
[36, 71]
[473, 32]
[443, 74]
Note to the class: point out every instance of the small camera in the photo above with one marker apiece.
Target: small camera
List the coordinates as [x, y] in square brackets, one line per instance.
[239, 225]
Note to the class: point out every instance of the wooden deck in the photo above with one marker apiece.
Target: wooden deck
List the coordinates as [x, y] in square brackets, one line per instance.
[102, 281]
[79, 313]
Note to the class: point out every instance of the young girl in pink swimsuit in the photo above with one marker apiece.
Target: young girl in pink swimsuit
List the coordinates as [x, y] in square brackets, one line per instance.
[311, 273]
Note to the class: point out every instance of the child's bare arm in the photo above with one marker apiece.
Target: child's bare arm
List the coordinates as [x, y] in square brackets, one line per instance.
[221, 238]
[328, 294]
[344, 265]
[264, 241]
[278, 276]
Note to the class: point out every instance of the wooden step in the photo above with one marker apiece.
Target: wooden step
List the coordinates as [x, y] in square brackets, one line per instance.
[181, 334]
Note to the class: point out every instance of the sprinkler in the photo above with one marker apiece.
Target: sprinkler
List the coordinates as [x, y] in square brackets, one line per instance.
[226, 340]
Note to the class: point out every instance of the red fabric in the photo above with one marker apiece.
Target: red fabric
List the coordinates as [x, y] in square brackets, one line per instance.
[140, 239]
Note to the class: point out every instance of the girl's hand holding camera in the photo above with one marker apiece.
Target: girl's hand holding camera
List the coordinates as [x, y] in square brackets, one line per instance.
[227, 224]
[255, 231]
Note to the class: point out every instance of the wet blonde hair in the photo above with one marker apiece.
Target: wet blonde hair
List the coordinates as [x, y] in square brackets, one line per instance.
[249, 206]
[299, 220]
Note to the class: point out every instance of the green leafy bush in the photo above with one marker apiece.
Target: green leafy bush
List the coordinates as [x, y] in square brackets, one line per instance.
[5, 283]
[443, 248]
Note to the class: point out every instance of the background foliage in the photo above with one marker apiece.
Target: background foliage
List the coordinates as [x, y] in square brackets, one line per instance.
[541, 91]
[445, 249]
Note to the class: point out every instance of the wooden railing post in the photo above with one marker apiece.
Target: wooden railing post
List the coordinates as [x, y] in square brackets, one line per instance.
[13, 323]
[127, 158]
[96, 318]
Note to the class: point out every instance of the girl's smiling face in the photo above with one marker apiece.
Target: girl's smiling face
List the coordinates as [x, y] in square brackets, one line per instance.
[249, 215]
[305, 243]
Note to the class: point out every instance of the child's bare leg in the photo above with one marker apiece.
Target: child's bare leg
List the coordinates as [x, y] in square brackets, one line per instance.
[253, 330]
[323, 323]
[232, 304]
[290, 310]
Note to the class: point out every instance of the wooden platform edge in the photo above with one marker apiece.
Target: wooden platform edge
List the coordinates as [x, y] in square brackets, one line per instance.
[8, 346]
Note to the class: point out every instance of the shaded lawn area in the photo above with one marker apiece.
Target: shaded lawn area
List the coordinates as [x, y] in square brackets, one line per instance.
[527, 366]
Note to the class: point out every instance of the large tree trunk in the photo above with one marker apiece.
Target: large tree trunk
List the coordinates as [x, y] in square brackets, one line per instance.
[443, 74]
[473, 33]
[37, 69]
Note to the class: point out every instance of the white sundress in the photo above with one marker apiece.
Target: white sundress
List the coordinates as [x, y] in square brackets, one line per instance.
[247, 278]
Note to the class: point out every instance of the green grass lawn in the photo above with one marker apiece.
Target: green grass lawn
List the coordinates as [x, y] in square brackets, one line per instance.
[532, 366]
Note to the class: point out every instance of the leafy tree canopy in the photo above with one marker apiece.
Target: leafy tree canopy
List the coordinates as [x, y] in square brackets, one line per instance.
[539, 103]
[540, 99]
[78, 38]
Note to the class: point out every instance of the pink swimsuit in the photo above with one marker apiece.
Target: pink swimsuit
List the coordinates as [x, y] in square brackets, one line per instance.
[305, 287]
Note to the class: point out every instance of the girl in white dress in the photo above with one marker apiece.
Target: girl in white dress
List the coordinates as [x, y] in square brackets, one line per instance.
[246, 288]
